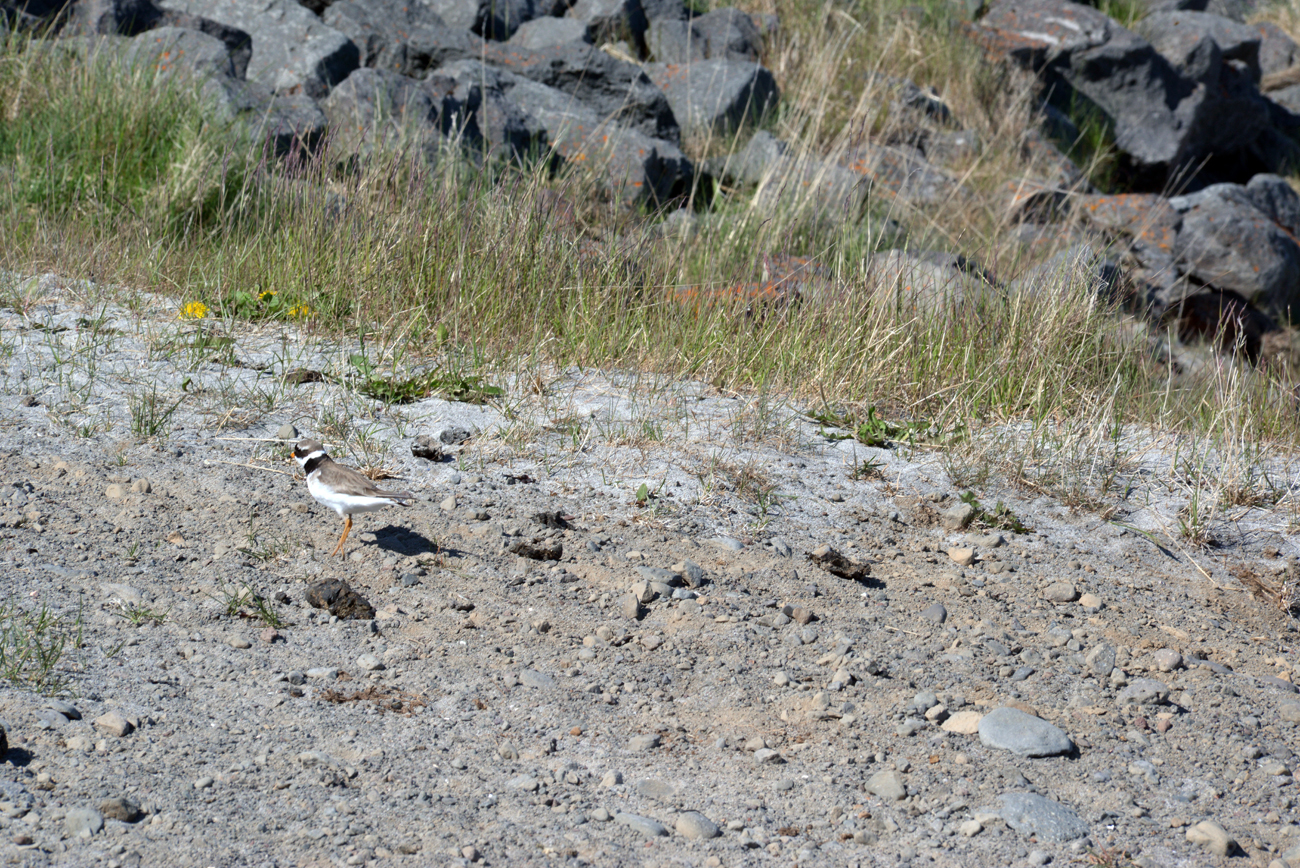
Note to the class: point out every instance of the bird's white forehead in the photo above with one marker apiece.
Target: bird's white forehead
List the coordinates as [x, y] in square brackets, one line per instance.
[319, 453]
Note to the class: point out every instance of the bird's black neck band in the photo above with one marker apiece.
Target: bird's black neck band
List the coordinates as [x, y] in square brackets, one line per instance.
[309, 467]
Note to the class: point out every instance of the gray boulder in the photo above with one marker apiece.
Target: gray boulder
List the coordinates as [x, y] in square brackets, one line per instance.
[1277, 50]
[392, 34]
[476, 97]
[133, 17]
[1164, 121]
[636, 167]
[285, 123]
[1187, 40]
[715, 96]
[491, 19]
[293, 50]
[611, 20]
[1227, 241]
[724, 34]
[547, 32]
[610, 87]
[378, 105]
[169, 51]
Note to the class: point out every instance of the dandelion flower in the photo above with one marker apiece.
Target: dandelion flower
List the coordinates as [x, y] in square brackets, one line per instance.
[194, 310]
[301, 310]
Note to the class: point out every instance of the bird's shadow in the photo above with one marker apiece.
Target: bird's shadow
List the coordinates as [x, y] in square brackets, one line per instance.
[404, 541]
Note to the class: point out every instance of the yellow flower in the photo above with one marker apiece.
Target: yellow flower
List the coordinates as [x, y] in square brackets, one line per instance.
[301, 310]
[266, 295]
[194, 310]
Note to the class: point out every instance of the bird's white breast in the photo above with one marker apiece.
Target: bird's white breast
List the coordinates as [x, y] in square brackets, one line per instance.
[343, 504]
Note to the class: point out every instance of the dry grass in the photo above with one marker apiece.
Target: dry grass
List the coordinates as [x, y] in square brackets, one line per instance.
[488, 271]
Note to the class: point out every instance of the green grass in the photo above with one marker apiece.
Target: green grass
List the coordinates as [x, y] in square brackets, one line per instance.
[32, 647]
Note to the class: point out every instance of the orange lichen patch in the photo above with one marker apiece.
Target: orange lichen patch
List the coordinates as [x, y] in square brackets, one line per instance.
[1145, 217]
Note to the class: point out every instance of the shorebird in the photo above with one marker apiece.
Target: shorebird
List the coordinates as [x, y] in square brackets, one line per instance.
[341, 488]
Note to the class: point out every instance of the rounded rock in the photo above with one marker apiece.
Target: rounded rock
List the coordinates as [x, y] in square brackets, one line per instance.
[1023, 734]
[696, 826]
[1060, 592]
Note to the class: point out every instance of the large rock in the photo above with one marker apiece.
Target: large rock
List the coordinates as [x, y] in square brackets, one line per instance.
[611, 20]
[1023, 734]
[1277, 50]
[484, 113]
[1189, 39]
[636, 167]
[133, 17]
[715, 96]
[612, 88]
[1164, 121]
[377, 105]
[723, 34]
[293, 50]
[394, 35]
[1034, 815]
[285, 123]
[491, 19]
[549, 31]
[169, 51]
[1228, 241]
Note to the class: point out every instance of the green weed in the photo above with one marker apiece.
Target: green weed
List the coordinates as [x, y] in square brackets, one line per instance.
[32, 644]
[999, 518]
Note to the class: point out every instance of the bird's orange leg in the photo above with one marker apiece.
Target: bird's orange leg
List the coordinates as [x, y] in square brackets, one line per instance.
[347, 528]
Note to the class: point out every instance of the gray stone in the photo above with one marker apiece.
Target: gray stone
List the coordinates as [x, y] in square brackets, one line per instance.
[767, 755]
[1101, 660]
[611, 20]
[1033, 815]
[64, 708]
[121, 808]
[642, 743]
[1289, 711]
[636, 168]
[723, 34]
[696, 826]
[546, 32]
[887, 785]
[83, 822]
[1181, 36]
[1212, 837]
[492, 19]
[538, 680]
[691, 572]
[527, 783]
[369, 663]
[1144, 691]
[656, 789]
[292, 48]
[715, 97]
[1022, 734]
[957, 517]
[114, 724]
[613, 90]
[1228, 241]
[1060, 592]
[644, 825]
[285, 122]
[630, 606]
[169, 51]
[395, 35]
[287, 432]
[1164, 119]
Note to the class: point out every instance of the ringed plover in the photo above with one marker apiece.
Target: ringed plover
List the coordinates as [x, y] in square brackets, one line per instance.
[341, 488]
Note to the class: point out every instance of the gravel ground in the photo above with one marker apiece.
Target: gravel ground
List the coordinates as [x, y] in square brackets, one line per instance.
[784, 649]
